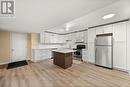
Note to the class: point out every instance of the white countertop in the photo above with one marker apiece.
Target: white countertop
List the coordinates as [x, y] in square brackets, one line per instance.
[64, 50]
[44, 48]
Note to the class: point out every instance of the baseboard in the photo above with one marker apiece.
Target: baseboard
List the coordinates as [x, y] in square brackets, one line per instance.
[4, 63]
[119, 69]
[40, 60]
[129, 72]
[89, 62]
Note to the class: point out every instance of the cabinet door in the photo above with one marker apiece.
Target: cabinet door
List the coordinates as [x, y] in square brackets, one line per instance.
[76, 37]
[119, 55]
[108, 29]
[73, 37]
[91, 52]
[69, 37]
[42, 37]
[47, 38]
[54, 38]
[100, 30]
[85, 36]
[84, 55]
[91, 35]
[119, 31]
[61, 39]
[66, 37]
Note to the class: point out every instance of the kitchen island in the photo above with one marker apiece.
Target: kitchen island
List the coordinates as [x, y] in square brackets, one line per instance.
[63, 58]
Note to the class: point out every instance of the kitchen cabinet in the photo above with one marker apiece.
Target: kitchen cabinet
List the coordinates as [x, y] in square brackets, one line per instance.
[46, 37]
[120, 46]
[119, 32]
[104, 29]
[41, 54]
[108, 29]
[73, 37]
[42, 37]
[128, 46]
[120, 56]
[91, 53]
[91, 35]
[100, 30]
[61, 39]
[69, 37]
[84, 55]
[64, 60]
[86, 36]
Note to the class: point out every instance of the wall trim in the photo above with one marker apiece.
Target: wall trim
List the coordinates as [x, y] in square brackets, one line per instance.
[109, 23]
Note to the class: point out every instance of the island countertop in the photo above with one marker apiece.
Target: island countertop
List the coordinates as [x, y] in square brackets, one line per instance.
[64, 50]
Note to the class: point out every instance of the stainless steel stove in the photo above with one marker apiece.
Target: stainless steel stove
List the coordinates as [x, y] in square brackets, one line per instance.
[78, 52]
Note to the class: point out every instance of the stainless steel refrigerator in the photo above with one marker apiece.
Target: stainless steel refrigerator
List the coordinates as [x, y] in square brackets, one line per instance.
[104, 50]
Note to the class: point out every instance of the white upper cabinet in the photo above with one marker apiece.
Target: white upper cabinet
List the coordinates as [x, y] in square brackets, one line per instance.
[61, 39]
[42, 37]
[69, 37]
[120, 31]
[46, 37]
[80, 37]
[104, 29]
[91, 35]
[99, 30]
[73, 37]
[54, 38]
[108, 29]
[86, 36]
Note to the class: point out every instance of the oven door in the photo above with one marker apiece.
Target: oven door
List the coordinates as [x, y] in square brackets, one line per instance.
[78, 54]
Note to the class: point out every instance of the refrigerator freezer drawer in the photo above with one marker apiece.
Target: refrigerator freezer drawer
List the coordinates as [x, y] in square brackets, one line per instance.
[104, 56]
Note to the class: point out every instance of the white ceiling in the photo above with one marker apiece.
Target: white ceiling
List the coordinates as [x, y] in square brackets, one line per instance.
[38, 15]
[121, 9]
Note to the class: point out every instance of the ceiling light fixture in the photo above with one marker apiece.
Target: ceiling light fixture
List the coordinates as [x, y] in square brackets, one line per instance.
[108, 16]
[67, 29]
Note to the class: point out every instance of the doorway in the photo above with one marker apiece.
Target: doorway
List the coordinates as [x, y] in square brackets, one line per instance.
[19, 47]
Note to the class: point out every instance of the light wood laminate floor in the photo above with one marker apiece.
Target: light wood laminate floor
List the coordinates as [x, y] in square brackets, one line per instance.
[45, 74]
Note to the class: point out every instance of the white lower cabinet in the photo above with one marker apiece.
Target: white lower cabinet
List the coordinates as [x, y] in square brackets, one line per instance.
[91, 53]
[41, 54]
[84, 55]
[120, 55]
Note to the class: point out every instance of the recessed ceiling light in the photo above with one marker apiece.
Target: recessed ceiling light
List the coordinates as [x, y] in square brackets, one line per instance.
[67, 29]
[108, 16]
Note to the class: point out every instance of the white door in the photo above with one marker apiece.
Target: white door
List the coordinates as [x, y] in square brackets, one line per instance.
[19, 49]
